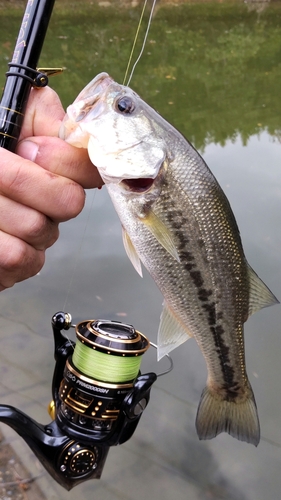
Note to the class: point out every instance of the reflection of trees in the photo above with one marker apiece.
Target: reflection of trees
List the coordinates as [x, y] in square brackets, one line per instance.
[227, 74]
[257, 5]
[213, 70]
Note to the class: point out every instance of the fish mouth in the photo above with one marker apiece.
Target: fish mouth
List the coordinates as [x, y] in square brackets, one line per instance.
[95, 88]
[88, 104]
[139, 185]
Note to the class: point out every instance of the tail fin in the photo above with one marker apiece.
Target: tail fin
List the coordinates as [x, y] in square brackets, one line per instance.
[238, 418]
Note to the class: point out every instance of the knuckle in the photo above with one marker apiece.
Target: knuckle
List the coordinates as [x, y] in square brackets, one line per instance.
[11, 179]
[15, 256]
[19, 261]
[52, 234]
[72, 201]
[42, 231]
[36, 224]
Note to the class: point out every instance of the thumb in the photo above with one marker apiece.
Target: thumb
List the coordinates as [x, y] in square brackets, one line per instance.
[43, 115]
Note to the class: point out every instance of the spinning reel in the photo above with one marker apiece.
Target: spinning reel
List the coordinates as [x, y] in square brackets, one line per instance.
[99, 396]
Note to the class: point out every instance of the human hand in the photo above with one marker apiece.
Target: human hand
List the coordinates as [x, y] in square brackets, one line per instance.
[40, 186]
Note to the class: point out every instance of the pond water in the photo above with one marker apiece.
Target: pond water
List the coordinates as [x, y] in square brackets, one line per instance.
[214, 71]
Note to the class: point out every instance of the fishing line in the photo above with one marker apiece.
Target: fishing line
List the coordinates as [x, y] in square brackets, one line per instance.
[114, 366]
[78, 252]
[144, 41]
[108, 351]
[135, 40]
[101, 366]
[170, 368]
[76, 257]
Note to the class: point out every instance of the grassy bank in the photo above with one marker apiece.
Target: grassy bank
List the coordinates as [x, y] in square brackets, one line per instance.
[67, 5]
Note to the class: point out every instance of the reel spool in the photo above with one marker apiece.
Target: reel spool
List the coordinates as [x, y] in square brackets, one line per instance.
[101, 371]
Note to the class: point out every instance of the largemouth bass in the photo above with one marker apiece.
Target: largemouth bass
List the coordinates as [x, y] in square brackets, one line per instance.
[177, 221]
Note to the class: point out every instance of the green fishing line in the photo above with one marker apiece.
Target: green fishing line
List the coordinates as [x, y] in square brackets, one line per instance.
[103, 366]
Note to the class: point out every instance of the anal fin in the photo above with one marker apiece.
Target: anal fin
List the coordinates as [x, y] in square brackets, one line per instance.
[260, 295]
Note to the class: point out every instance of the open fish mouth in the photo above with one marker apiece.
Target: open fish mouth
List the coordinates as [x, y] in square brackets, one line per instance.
[139, 185]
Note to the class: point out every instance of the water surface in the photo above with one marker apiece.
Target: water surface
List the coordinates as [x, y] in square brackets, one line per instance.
[214, 71]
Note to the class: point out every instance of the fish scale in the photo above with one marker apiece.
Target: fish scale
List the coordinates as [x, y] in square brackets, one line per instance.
[177, 221]
[191, 309]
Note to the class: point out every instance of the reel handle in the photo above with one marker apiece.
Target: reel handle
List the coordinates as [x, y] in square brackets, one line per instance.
[52, 446]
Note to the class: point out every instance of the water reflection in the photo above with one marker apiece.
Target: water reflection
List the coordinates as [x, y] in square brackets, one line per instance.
[214, 71]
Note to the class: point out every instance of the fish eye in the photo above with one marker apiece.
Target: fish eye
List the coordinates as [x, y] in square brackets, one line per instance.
[125, 105]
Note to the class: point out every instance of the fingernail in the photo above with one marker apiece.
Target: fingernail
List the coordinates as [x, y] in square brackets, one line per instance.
[27, 150]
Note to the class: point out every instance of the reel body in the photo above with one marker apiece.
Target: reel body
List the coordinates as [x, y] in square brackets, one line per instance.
[98, 398]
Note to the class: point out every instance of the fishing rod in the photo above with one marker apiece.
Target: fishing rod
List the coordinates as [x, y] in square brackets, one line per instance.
[99, 393]
[22, 74]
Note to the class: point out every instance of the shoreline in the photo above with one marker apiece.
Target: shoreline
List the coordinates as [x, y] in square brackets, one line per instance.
[60, 5]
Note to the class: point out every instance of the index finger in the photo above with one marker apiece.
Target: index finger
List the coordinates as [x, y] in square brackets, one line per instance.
[57, 156]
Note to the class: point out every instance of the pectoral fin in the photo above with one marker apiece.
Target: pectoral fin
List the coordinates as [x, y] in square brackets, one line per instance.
[171, 333]
[260, 295]
[161, 233]
[131, 252]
